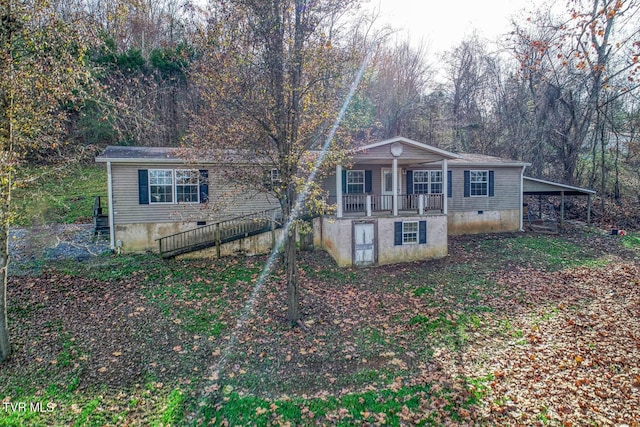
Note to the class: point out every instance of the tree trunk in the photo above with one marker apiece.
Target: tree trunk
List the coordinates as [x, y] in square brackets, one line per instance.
[5, 347]
[293, 292]
[290, 260]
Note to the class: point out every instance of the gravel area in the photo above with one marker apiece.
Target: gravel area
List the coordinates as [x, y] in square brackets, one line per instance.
[55, 242]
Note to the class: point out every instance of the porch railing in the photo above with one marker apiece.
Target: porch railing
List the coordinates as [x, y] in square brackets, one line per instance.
[369, 203]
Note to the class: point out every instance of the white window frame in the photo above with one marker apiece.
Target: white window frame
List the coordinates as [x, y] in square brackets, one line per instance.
[427, 181]
[170, 185]
[410, 237]
[473, 179]
[421, 184]
[174, 186]
[432, 181]
[274, 175]
[195, 175]
[349, 177]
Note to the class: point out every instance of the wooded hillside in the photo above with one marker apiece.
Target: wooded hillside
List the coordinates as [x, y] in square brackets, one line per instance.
[559, 91]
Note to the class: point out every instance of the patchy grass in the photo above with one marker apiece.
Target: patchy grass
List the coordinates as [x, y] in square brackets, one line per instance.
[496, 333]
[66, 195]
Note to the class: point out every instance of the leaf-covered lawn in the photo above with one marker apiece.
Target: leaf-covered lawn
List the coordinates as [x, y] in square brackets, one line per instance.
[508, 329]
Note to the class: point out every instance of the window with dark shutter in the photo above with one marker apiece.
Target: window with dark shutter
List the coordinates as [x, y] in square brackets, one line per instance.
[422, 232]
[367, 181]
[449, 184]
[143, 186]
[467, 183]
[409, 182]
[397, 233]
[204, 186]
[491, 183]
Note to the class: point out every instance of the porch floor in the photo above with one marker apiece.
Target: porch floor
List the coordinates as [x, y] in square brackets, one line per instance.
[389, 214]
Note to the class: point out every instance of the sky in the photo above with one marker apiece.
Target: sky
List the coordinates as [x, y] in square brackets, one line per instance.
[442, 24]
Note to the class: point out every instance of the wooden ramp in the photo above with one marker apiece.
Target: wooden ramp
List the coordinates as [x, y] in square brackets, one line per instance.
[215, 235]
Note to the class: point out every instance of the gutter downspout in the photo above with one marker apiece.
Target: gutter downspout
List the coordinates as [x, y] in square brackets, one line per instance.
[110, 197]
[521, 197]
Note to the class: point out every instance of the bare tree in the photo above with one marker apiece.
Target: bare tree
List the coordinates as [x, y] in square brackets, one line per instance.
[272, 77]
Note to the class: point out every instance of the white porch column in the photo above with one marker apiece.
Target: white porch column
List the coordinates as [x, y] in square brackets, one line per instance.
[368, 204]
[394, 172]
[339, 191]
[445, 186]
[112, 231]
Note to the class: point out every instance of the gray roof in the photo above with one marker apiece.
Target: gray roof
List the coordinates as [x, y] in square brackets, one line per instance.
[120, 154]
[124, 154]
[472, 159]
[535, 186]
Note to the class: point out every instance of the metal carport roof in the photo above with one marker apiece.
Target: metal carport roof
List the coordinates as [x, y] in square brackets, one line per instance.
[540, 187]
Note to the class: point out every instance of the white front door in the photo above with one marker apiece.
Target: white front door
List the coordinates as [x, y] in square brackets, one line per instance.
[387, 189]
[363, 247]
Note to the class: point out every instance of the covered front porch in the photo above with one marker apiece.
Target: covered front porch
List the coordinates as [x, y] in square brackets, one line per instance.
[393, 178]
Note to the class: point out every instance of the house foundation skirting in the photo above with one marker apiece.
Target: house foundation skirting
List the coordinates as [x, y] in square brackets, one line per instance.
[483, 221]
[336, 236]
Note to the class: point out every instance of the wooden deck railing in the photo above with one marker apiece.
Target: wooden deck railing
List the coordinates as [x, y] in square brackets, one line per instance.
[221, 232]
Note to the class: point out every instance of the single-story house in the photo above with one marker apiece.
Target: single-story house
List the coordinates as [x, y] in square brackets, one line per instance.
[154, 192]
[397, 200]
[400, 199]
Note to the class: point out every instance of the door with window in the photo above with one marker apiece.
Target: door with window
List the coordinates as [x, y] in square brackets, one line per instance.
[387, 188]
[364, 243]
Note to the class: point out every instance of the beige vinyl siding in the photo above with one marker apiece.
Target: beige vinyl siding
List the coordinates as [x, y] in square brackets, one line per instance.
[225, 200]
[329, 183]
[409, 152]
[506, 190]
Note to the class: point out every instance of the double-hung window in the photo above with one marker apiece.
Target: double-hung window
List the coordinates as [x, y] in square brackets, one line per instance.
[409, 232]
[161, 185]
[187, 186]
[435, 184]
[420, 182]
[355, 181]
[479, 183]
[274, 175]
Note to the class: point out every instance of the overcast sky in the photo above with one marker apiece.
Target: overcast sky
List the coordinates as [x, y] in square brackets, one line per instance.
[442, 24]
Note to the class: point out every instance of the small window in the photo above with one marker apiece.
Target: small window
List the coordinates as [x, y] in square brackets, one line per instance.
[479, 183]
[161, 186]
[275, 176]
[409, 232]
[187, 186]
[355, 182]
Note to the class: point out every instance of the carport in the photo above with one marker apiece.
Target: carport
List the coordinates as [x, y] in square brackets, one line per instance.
[539, 187]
